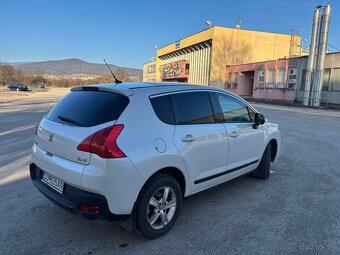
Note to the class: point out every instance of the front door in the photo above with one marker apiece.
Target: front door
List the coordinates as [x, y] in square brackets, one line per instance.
[202, 143]
[245, 142]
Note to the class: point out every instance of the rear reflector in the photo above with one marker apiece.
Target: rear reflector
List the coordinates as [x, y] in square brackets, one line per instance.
[103, 143]
[90, 209]
[90, 88]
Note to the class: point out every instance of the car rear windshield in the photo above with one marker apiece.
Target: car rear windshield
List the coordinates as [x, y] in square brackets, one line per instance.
[88, 108]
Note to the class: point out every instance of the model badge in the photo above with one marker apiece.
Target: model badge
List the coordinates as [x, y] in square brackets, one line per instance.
[51, 138]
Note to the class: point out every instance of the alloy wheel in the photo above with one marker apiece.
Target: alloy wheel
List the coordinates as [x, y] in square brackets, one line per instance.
[162, 207]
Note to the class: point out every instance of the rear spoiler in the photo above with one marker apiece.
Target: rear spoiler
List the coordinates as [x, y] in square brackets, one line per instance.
[125, 92]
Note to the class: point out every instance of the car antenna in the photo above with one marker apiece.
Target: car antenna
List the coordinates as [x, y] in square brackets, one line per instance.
[116, 80]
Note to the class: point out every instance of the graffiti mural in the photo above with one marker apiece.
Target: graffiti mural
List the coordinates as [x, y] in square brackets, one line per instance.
[174, 70]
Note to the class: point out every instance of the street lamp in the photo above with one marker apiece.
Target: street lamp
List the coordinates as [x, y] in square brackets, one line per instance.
[208, 23]
[304, 40]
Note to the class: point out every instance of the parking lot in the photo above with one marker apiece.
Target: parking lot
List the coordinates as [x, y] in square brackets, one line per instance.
[296, 211]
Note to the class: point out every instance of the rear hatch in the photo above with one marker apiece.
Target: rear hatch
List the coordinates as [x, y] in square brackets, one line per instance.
[75, 117]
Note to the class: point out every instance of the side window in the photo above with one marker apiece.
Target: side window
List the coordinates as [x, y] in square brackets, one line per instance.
[232, 109]
[251, 114]
[163, 108]
[193, 108]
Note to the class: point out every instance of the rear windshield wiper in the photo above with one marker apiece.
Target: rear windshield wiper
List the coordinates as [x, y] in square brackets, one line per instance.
[69, 120]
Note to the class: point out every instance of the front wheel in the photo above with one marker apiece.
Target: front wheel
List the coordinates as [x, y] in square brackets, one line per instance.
[263, 170]
[158, 206]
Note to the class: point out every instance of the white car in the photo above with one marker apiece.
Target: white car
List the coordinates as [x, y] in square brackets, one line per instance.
[132, 151]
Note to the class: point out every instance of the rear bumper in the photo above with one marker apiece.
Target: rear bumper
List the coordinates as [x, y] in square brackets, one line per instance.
[72, 198]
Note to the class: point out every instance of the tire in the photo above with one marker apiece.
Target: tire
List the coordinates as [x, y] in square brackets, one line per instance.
[263, 170]
[147, 211]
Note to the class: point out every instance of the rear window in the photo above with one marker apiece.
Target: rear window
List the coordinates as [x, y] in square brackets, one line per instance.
[193, 108]
[88, 108]
[163, 109]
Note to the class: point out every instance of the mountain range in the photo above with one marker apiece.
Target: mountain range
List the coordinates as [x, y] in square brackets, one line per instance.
[73, 66]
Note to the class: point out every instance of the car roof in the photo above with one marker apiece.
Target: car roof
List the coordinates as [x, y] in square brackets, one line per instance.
[153, 87]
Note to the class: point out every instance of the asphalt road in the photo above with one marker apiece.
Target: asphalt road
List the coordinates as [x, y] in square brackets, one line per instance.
[296, 211]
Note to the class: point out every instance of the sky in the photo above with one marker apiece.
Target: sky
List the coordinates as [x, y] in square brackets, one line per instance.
[124, 32]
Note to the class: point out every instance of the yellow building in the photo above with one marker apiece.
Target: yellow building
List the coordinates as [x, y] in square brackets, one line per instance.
[149, 72]
[202, 57]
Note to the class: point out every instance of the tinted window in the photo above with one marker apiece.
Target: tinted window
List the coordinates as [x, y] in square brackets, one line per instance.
[232, 109]
[251, 114]
[163, 109]
[193, 108]
[88, 108]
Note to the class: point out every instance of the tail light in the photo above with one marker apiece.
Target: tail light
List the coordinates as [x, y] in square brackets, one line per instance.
[36, 127]
[103, 143]
[90, 209]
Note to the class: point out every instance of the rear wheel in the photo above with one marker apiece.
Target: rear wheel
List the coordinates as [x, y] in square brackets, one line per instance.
[158, 206]
[263, 170]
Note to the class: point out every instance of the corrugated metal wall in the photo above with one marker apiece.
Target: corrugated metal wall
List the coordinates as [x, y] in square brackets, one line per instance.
[199, 57]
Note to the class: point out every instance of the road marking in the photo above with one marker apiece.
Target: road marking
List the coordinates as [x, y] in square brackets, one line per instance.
[17, 129]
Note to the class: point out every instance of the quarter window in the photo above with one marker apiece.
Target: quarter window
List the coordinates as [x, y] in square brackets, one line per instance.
[252, 115]
[232, 109]
[193, 108]
[163, 109]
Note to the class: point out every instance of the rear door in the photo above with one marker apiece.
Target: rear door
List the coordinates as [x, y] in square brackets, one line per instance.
[245, 142]
[201, 141]
[75, 117]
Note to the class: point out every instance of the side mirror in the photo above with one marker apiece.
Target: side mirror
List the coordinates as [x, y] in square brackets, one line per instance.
[259, 120]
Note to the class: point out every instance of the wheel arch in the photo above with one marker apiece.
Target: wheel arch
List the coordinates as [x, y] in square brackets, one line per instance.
[274, 147]
[173, 172]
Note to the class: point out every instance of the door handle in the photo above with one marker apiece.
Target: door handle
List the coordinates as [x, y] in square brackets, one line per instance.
[188, 138]
[234, 134]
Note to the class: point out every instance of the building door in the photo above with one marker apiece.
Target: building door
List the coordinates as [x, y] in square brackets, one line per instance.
[251, 86]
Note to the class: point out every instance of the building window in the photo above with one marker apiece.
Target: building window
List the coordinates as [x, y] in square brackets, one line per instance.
[235, 80]
[336, 79]
[229, 80]
[281, 78]
[261, 79]
[292, 78]
[304, 79]
[151, 68]
[187, 67]
[325, 77]
[270, 78]
[178, 44]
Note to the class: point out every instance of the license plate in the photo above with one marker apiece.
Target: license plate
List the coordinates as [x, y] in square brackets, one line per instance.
[53, 182]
